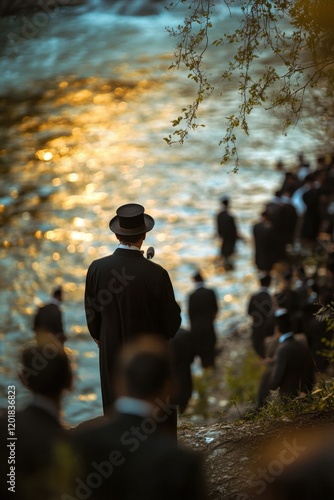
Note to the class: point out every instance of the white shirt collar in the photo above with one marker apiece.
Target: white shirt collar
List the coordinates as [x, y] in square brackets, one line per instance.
[53, 300]
[199, 284]
[285, 336]
[133, 406]
[128, 247]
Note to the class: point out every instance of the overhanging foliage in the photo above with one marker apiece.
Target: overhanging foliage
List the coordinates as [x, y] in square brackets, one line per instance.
[296, 35]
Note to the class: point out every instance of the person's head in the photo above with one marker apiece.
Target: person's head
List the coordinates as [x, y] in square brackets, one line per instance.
[265, 216]
[46, 369]
[283, 320]
[143, 369]
[131, 224]
[135, 239]
[197, 277]
[225, 201]
[265, 280]
[57, 293]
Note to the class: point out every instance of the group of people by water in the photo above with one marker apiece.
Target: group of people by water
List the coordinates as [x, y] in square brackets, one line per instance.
[293, 248]
[145, 355]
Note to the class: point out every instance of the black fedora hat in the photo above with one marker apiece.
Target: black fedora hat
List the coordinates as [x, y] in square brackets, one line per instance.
[131, 220]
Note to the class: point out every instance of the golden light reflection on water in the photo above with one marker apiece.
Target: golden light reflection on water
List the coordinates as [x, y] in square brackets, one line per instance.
[87, 147]
[87, 397]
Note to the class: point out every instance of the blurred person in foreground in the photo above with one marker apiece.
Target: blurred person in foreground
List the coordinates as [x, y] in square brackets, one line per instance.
[36, 453]
[297, 464]
[129, 454]
[127, 294]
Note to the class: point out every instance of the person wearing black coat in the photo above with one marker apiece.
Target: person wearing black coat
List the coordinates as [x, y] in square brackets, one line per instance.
[127, 294]
[182, 356]
[48, 318]
[264, 243]
[202, 311]
[128, 455]
[293, 367]
[227, 232]
[35, 448]
[261, 310]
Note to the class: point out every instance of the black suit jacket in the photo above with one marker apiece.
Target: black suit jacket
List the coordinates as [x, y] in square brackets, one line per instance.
[127, 294]
[264, 241]
[48, 318]
[44, 458]
[227, 230]
[261, 310]
[136, 461]
[293, 369]
[202, 310]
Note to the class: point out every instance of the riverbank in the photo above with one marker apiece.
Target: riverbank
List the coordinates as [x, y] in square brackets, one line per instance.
[238, 457]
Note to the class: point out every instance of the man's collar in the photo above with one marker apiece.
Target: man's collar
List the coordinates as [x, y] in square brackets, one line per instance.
[128, 247]
[285, 336]
[55, 301]
[133, 406]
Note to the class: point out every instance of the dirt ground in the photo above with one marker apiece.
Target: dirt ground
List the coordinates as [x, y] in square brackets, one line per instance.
[240, 455]
[241, 458]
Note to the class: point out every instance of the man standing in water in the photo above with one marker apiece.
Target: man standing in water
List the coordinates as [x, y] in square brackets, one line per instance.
[127, 294]
[227, 232]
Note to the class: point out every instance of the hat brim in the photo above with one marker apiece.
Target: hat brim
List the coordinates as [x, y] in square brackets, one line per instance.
[117, 229]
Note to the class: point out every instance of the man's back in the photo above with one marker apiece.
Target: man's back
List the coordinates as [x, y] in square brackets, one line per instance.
[264, 246]
[136, 461]
[44, 459]
[127, 294]
[128, 287]
[293, 369]
[202, 307]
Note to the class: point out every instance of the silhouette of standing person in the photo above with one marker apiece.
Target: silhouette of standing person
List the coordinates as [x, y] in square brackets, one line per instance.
[202, 311]
[48, 318]
[135, 457]
[227, 231]
[127, 294]
[44, 460]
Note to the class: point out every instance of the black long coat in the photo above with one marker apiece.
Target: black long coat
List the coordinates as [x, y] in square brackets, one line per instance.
[293, 369]
[261, 310]
[202, 310]
[48, 319]
[41, 456]
[264, 242]
[227, 231]
[127, 294]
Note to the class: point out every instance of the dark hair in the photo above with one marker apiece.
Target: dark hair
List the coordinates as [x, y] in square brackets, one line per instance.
[57, 293]
[129, 238]
[197, 277]
[146, 374]
[45, 369]
[284, 323]
[265, 280]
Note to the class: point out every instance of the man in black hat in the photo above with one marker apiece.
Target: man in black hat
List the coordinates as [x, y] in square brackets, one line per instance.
[227, 232]
[127, 294]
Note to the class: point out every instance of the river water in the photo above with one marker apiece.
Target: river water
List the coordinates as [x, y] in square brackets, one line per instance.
[86, 99]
